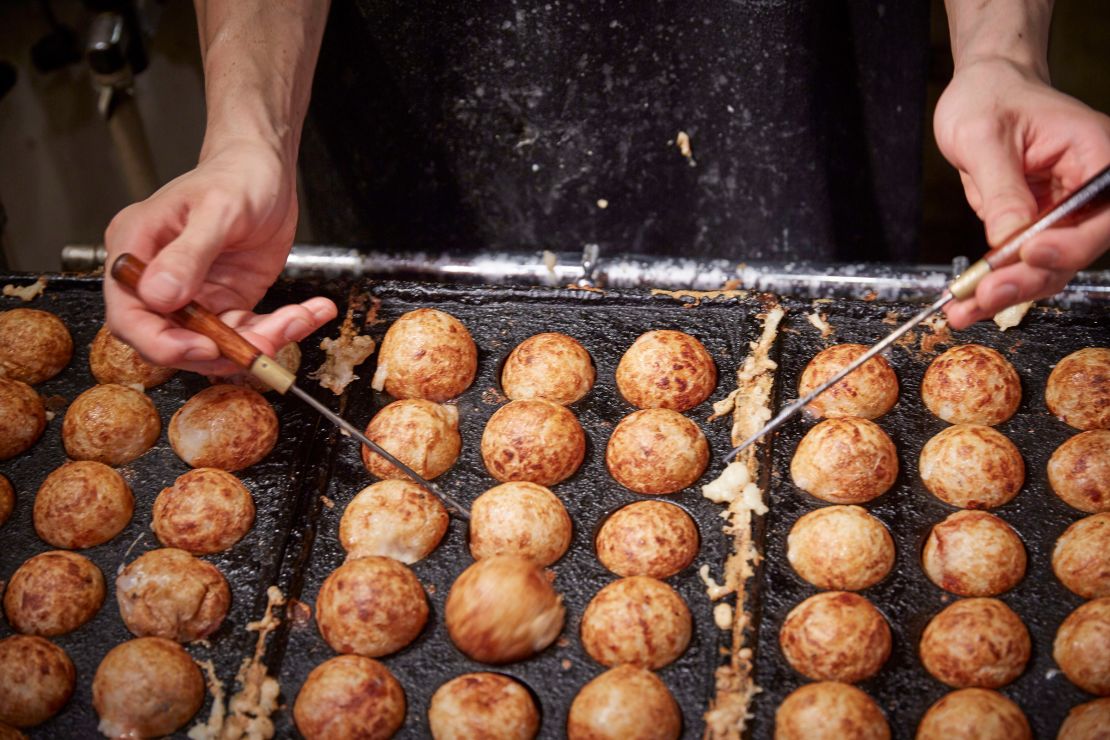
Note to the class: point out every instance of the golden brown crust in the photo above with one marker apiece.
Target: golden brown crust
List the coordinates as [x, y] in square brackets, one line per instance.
[225, 426]
[169, 593]
[868, 392]
[845, 461]
[551, 366]
[34, 345]
[1082, 647]
[1078, 390]
[38, 680]
[656, 451]
[835, 636]
[828, 710]
[647, 538]
[974, 713]
[428, 354]
[419, 433]
[112, 424]
[535, 440]
[111, 360]
[637, 620]
[972, 466]
[476, 706]
[1087, 721]
[973, 553]
[371, 606]
[350, 696]
[971, 384]
[206, 510]
[393, 518]
[1081, 559]
[146, 687]
[519, 518]
[53, 593]
[975, 642]
[624, 703]
[22, 417]
[1079, 471]
[840, 548]
[666, 369]
[82, 504]
[7, 499]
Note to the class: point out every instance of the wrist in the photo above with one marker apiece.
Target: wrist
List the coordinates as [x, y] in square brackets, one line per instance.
[1014, 32]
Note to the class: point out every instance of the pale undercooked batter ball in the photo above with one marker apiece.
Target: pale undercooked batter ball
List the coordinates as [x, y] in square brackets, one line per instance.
[22, 417]
[36, 680]
[845, 461]
[971, 384]
[7, 499]
[551, 366]
[828, 710]
[841, 548]
[975, 642]
[371, 606]
[835, 636]
[534, 440]
[637, 620]
[973, 553]
[34, 345]
[1079, 471]
[1078, 389]
[419, 433]
[666, 369]
[503, 609]
[82, 504]
[112, 424]
[393, 518]
[169, 593]
[656, 451]
[1087, 721]
[519, 518]
[288, 357]
[971, 466]
[206, 510]
[146, 687]
[624, 702]
[483, 706]
[1082, 647]
[1081, 559]
[647, 538]
[974, 714]
[226, 426]
[426, 354]
[53, 593]
[112, 360]
[350, 696]
[868, 392]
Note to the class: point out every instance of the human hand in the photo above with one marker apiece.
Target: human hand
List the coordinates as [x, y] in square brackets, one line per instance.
[1020, 147]
[219, 235]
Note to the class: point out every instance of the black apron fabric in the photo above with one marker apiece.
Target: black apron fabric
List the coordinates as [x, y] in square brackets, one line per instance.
[501, 125]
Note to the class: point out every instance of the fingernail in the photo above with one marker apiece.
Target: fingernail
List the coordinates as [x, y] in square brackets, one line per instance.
[198, 354]
[1005, 294]
[164, 287]
[322, 313]
[297, 329]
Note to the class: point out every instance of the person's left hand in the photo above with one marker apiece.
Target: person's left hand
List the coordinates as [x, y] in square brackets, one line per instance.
[1020, 147]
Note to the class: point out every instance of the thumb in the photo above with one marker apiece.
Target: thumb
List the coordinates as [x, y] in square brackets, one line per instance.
[178, 271]
[998, 172]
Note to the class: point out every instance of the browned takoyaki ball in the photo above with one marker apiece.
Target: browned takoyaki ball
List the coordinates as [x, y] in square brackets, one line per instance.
[36, 680]
[53, 593]
[112, 424]
[7, 499]
[1079, 471]
[868, 392]
[647, 538]
[419, 433]
[1087, 721]
[656, 451]
[666, 369]
[169, 593]
[971, 466]
[146, 687]
[22, 417]
[82, 504]
[973, 553]
[845, 461]
[519, 518]
[828, 710]
[975, 642]
[1078, 389]
[841, 548]
[971, 384]
[637, 620]
[1081, 559]
[535, 440]
[34, 345]
[225, 426]
[1082, 647]
[206, 510]
[428, 354]
[624, 702]
[835, 636]
[475, 706]
[112, 360]
[350, 696]
[550, 366]
[974, 713]
[393, 518]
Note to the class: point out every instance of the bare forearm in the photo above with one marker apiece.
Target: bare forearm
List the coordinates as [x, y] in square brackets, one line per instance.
[1014, 30]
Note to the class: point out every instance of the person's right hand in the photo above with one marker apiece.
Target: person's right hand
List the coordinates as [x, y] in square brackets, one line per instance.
[219, 235]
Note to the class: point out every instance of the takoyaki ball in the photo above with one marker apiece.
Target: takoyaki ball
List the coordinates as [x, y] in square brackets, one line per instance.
[7, 732]
[656, 451]
[974, 713]
[971, 384]
[535, 440]
[426, 354]
[1086, 721]
[1082, 647]
[972, 466]
[36, 680]
[483, 706]
[206, 510]
[82, 504]
[350, 696]
[868, 392]
[519, 518]
[288, 357]
[22, 417]
[371, 606]
[146, 687]
[34, 345]
[1079, 471]
[112, 424]
[829, 710]
[502, 609]
[841, 548]
[53, 593]
[1081, 559]
[975, 642]
[973, 553]
[225, 426]
[1078, 389]
[637, 620]
[647, 538]
[395, 519]
[835, 636]
[624, 702]
[112, 360]
[845, 461]
[550, 366]
[419, 433]
[169, 593]
[666, 369]
[7, 499]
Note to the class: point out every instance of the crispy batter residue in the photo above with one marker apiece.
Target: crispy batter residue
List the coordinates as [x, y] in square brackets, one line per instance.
[938, 326]
[682, 141]
[349, 350]
[691, 298]
[27, 292]
[1010, 317]
[821, 323]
